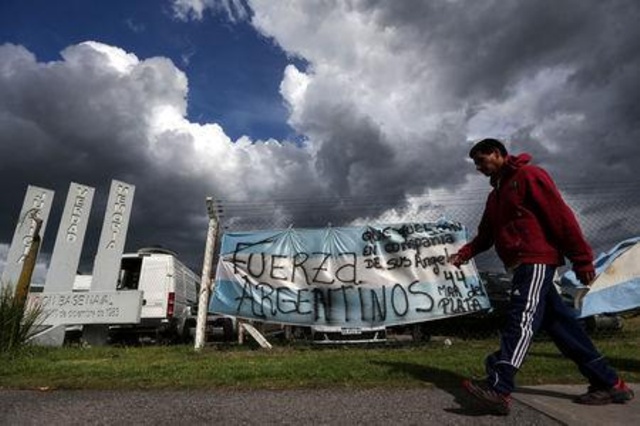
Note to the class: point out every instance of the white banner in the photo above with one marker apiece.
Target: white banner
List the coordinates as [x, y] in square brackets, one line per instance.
[349, 277]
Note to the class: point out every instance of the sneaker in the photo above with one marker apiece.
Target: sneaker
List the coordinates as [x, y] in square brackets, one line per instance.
[618, 394]
[488, 397]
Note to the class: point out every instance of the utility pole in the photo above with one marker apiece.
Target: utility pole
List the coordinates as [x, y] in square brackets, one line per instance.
[206, 280]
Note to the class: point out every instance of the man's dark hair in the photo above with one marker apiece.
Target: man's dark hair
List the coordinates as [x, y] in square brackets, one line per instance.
[487, 146]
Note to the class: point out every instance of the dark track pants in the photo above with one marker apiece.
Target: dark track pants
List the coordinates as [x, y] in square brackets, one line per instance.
[535, 304]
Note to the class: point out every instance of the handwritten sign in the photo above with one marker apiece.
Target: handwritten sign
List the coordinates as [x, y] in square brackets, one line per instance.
[353, 277]
[103, 307]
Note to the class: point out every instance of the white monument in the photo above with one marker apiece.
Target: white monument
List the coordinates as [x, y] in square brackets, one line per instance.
[37, 203]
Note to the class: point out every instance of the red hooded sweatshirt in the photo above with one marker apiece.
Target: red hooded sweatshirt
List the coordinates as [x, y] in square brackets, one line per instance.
[528, 221]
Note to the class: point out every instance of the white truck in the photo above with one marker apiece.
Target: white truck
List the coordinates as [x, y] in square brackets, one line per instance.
[169, 301]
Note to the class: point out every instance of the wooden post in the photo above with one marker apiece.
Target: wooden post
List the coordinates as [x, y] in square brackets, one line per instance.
[240, 332]
[205, 281]
[24, 282]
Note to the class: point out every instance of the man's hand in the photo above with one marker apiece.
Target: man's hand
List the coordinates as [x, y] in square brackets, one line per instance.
[457, 260]
[586, 277]
[462, 256]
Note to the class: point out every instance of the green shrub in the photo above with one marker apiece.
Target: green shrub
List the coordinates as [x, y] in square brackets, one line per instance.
[18, 320]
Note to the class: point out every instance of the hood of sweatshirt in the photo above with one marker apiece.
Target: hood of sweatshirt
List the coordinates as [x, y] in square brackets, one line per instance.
[513, 163]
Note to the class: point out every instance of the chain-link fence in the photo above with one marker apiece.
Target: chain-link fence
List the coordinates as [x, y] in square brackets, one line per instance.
[607, 214]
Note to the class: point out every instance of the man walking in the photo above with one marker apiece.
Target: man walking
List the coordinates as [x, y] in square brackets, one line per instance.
[533, 230]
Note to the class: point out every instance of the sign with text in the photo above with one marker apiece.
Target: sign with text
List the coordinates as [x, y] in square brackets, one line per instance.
[68, 246]
[37, 203]
[106, 266]
[95, 307]
[354, 277]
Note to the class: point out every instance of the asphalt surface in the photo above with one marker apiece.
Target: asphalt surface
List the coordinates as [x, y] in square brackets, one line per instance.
[541, 405]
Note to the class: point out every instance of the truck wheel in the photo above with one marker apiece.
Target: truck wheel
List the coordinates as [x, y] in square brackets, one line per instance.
[227, 330]
[186, 337]
[419, 333]
[166, 337]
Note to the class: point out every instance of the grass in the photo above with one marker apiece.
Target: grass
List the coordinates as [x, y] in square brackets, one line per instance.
[287, 367]
[18, 320]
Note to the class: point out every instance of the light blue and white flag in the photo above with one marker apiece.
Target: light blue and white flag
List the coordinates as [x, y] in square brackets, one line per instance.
[616, 287]
[366, 276]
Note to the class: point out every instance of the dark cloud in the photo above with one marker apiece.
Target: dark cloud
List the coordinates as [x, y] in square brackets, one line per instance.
[488, 48]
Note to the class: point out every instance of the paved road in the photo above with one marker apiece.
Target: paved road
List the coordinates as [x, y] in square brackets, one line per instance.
[536, 405]
[293, 407]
